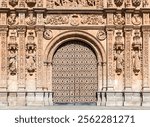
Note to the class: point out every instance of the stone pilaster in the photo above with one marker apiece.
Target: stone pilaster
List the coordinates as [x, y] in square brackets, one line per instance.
[39, 58]
[21, 58]
[110, 68]
[128, 66]
[146, 67]
[3, 58]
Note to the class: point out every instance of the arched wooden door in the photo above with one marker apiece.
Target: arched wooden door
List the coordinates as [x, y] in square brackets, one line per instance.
[74, 74]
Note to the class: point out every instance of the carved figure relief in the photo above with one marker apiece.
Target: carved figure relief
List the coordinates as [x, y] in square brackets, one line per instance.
[101, 35]
[137, 47]
[4, 3]
[40, 3]
[109, 3]
[119, 47]
[118, 2]
[136, 19]
[136, 2]
[31, 54]
[48, 34]
[118, 19]
[13, 2]
[12, 19]
[31, 19]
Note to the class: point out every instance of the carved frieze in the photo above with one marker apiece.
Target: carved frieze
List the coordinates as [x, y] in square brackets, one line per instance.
[119, 19]
[136, 19]
[74, 20]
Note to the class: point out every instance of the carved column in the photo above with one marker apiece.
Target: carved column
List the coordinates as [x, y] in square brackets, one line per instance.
[3, 58]
[128, 66]
[39, 57]
[110, 68]
[146, 46]
[21, 58]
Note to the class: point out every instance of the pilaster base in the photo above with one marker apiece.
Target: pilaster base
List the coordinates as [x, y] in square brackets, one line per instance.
[21, 99]
[3, 99]
[98, 99]
[110, 101]
[146, 99]
[119, 99]
[12, 99]
[39, 100]
[30, 99]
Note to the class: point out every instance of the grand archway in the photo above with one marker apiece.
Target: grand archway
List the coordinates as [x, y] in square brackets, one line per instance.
[74, 74]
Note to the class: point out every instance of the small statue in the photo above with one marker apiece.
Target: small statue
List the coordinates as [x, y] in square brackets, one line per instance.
[12, 62]
[136, 62]
[119, 62]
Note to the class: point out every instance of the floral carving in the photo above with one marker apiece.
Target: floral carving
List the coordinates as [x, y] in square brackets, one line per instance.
[136, 2]
[13, 2]
[31, 20]
[137, 47]
[136, 19]
[12, 19]
[92, 19]
[118, 19]
[48, 34]
[57, 19]
[145, 3]
[118, 2]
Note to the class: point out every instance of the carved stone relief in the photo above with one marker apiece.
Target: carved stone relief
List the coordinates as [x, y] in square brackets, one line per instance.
[136, 2]
[136, 19]
[118, 2]
[31, 19]
[137, 47]
[119, 47]
[145, 3]
[119, 19]
[31, 54]
[12, 19]
[31, 3]
[13, 2]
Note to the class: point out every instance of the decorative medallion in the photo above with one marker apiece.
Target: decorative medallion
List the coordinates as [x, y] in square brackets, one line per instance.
[118, 19]
[101, 35]
[136, 19]
[118, 2]
[136, 3]
[13, 2]
[48, 34]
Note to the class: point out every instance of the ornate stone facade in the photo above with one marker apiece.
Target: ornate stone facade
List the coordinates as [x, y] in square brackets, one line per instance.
[91, 52]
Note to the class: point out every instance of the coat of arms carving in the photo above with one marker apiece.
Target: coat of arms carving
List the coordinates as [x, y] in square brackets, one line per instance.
[118, 2]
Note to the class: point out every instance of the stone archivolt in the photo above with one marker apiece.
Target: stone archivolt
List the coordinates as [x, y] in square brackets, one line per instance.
[119, 38]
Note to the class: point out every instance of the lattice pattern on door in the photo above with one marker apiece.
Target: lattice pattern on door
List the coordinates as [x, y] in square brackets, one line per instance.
[74, 73]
